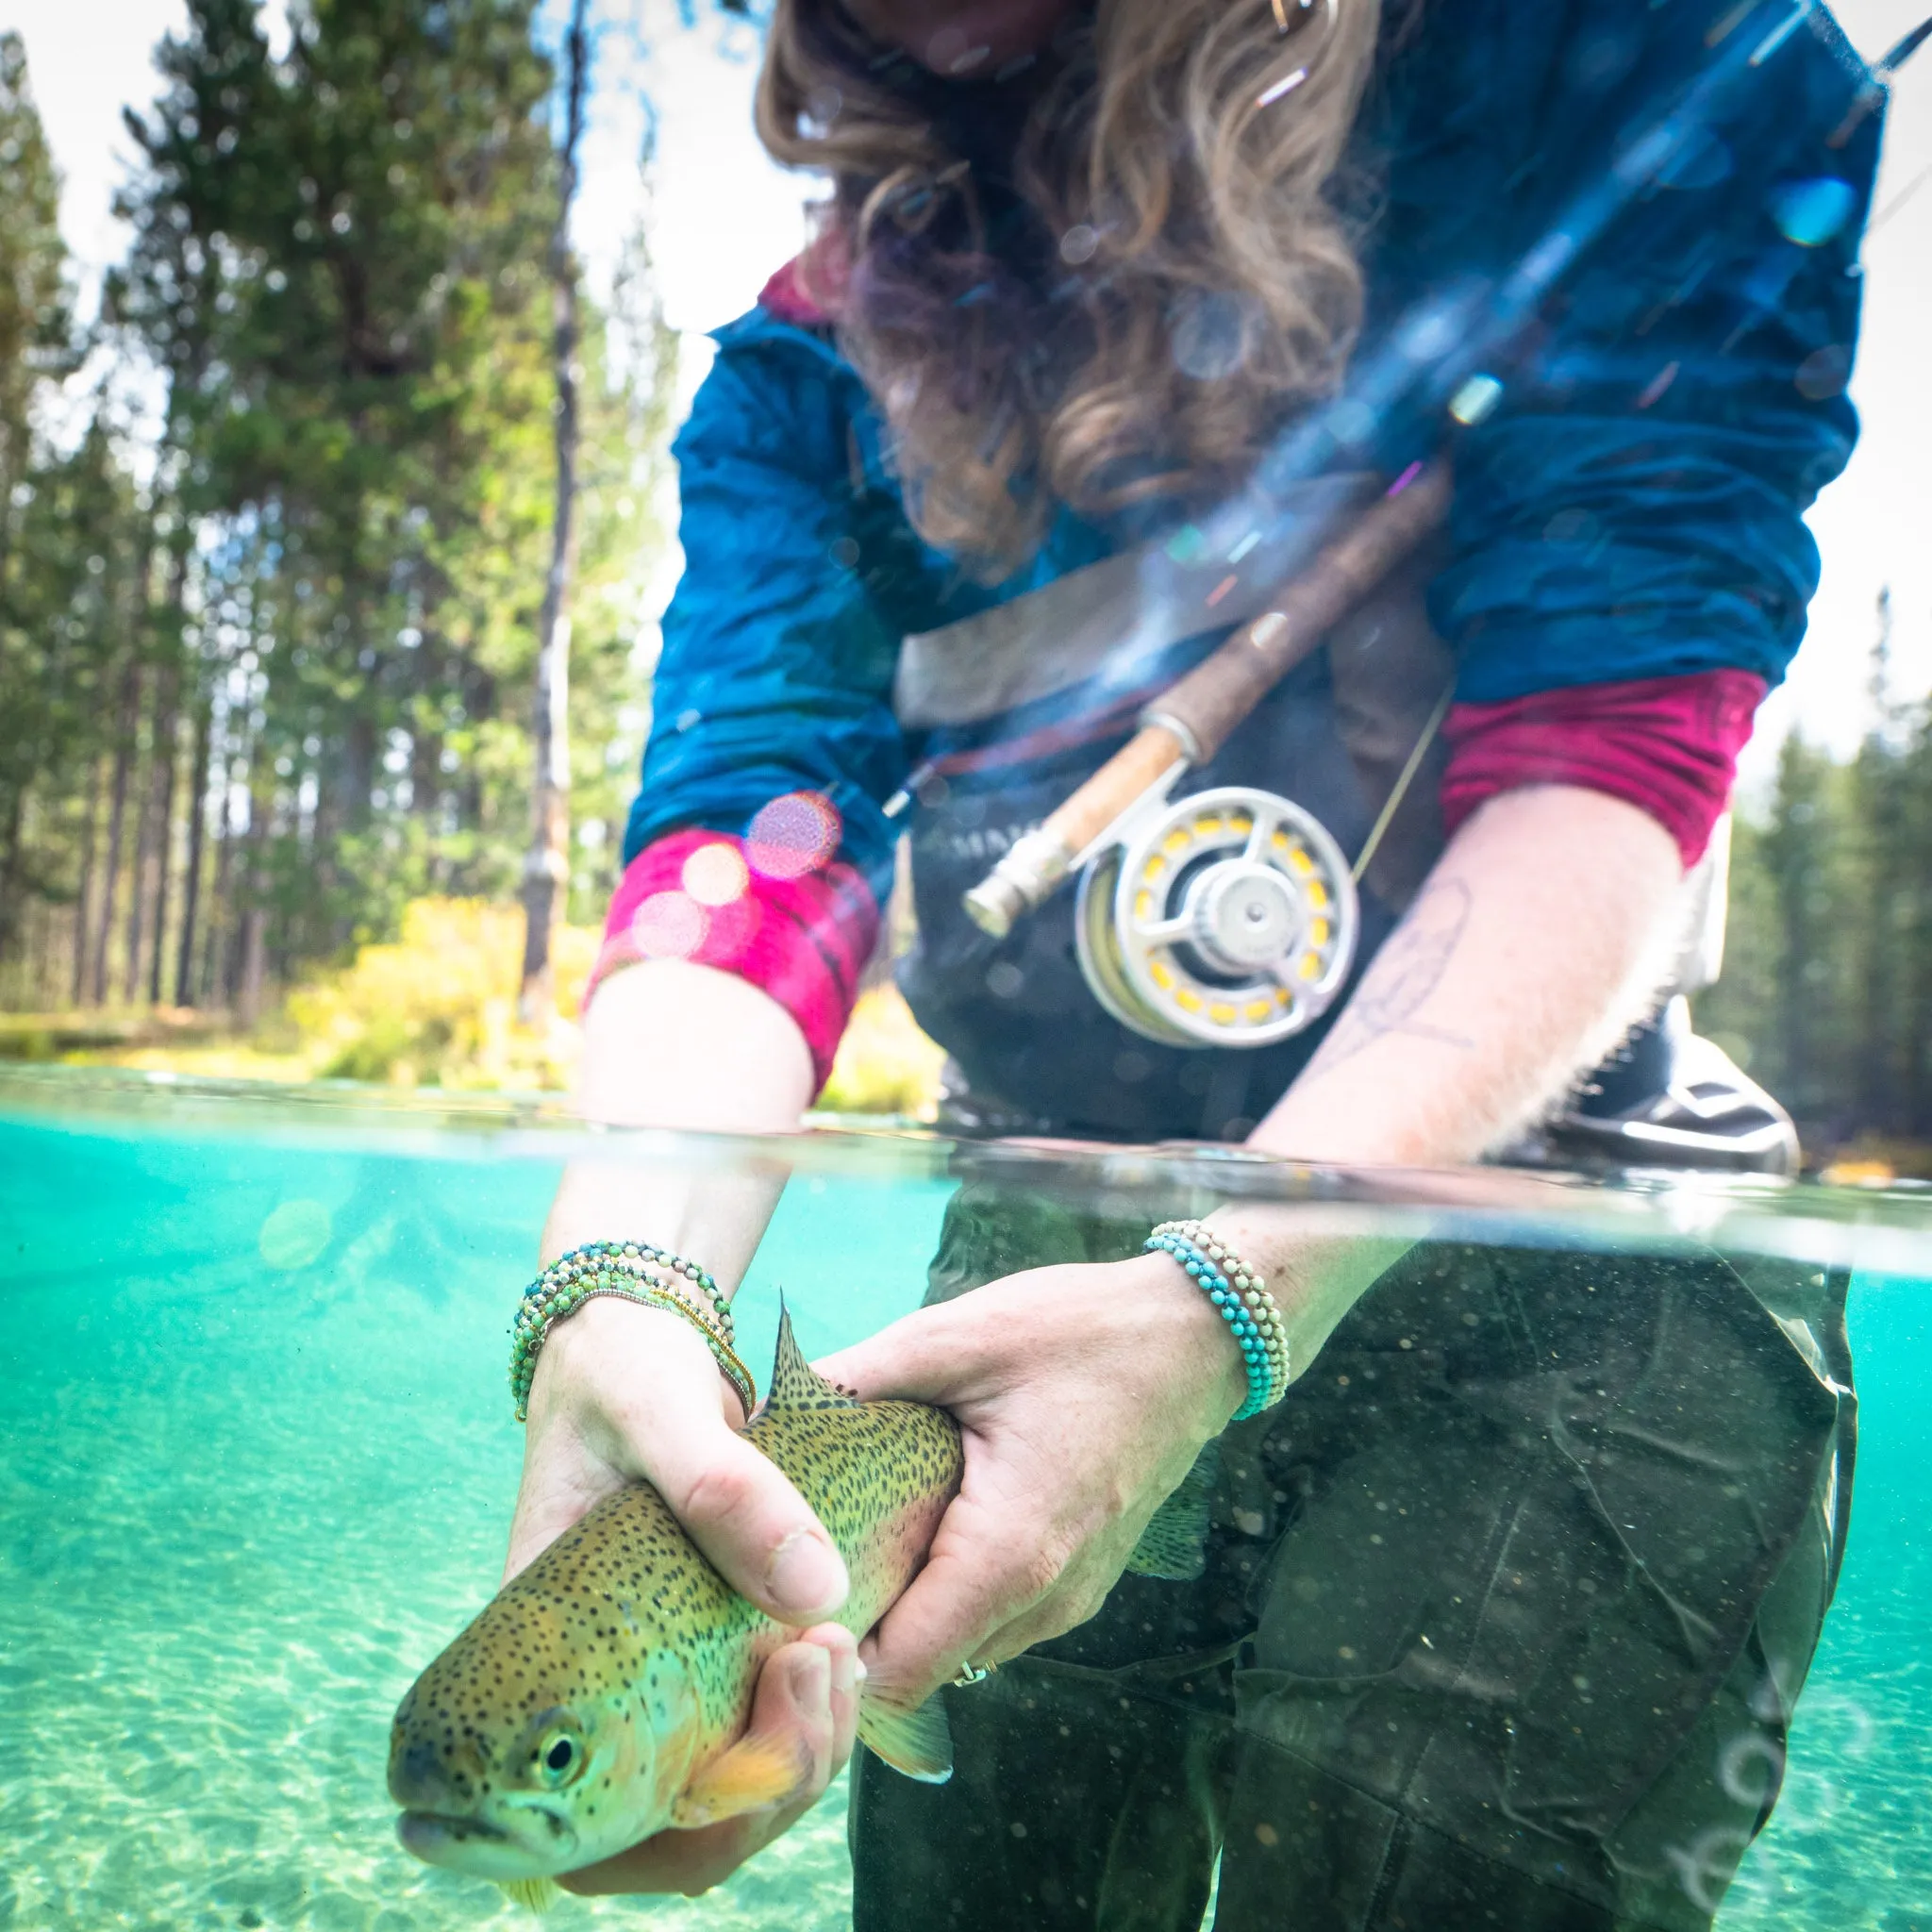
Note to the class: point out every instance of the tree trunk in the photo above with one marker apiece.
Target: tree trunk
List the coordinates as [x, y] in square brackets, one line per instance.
[249, 917]
[126, 720]
[12, 911]
[147, 915]
[84, 894]
[197, 832]
[166, 752]
[40, 964]
[547, 866]
[214, 974]
[254, 960]
[137, 881]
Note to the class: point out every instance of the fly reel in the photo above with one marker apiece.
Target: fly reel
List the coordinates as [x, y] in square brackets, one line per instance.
[1228, 917]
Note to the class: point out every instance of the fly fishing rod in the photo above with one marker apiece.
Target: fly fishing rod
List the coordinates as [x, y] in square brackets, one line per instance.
[1231, 917]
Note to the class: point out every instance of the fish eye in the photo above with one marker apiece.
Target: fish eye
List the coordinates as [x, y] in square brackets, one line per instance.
[559, 1756]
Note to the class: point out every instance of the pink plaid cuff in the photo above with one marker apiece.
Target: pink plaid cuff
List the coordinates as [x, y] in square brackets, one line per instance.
[773, 906]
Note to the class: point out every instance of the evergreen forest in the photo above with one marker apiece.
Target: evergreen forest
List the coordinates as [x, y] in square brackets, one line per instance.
[266, 670]
[1827, 990]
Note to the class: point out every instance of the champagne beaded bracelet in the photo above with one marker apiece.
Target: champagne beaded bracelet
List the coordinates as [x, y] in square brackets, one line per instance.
[627, 1271]
[1241, 1299]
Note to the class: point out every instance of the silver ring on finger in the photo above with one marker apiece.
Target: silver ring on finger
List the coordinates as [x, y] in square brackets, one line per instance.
[973, 1674]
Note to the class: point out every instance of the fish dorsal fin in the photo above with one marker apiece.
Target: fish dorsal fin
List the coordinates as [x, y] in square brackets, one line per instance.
[796, 1384]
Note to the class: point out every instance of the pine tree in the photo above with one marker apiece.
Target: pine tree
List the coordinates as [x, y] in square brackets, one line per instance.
[339, 263]
[36, 347]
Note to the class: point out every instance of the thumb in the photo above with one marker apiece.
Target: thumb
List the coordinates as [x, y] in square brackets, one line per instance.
[922, 1356]
[738, 1506]
[658, 1394]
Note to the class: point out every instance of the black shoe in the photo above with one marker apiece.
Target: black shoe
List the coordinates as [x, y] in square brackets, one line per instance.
[1666, 1098]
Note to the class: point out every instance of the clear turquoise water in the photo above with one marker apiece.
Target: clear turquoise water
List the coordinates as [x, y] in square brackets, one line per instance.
[256, 1465]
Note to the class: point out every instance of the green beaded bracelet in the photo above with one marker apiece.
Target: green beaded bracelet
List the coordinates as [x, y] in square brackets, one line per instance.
[633, 1271]
[602, 1256]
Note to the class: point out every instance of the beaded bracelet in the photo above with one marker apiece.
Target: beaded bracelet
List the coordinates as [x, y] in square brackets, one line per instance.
[1241, 1298]
[545, 1302]
[632, 1272]
[613, 1263]
[635, 1260]
[531, 1330]
[602, 1256]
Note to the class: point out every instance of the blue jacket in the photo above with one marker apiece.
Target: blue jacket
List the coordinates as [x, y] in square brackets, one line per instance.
[1633, 509]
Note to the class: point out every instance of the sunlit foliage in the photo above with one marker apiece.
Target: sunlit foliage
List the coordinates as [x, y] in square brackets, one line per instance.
[298, 656]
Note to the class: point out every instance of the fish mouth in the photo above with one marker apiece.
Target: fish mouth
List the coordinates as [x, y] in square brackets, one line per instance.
[471, 1844]
[427, 1832]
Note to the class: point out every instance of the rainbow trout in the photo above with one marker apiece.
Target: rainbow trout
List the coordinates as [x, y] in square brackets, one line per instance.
[604, 1694]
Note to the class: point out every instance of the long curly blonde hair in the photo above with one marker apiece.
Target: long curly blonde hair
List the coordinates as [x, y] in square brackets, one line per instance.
[1104, 285]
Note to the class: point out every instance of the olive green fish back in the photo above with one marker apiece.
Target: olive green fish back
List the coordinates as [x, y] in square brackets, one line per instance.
[860, 1465]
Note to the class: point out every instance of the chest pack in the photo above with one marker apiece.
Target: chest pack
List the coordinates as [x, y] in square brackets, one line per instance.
[1217, 904]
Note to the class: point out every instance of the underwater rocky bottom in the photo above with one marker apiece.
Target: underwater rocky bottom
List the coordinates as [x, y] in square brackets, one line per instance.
[255, 1467]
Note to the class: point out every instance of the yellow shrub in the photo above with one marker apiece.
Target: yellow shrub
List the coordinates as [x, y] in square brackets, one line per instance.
[885, 1063]
[438, 1005]
[437, 1008]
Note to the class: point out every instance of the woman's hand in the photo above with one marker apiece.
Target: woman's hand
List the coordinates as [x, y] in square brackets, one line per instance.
[1084, 1394]
[622, 1393]
[808, 1697]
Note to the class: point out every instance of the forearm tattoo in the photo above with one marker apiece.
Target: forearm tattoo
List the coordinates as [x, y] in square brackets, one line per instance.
[1402, 976]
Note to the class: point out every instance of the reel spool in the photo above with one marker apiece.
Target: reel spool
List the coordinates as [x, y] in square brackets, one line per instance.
[1228, 918]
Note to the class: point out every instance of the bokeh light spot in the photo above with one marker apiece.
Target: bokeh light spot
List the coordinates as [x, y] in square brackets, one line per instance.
[1079, 244]
[1208, 334]
[715, 875]
[1475, 399]
[669, 925]
[1824, 372]
[1811, 212]
[793, 835]
[295, 1234]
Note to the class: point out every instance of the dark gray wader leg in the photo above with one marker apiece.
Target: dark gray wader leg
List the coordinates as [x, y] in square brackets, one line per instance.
[1505, 1613]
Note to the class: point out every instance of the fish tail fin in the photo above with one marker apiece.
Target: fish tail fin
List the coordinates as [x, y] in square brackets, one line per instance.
[539, 1894]
[1174, 1546]
[796, 1384]
[916, 1742]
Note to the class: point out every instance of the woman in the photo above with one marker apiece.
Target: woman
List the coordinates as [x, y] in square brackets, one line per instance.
[1452, 1659]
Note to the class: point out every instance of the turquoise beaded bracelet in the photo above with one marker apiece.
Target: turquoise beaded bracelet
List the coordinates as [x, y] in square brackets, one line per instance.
[1241, 1299]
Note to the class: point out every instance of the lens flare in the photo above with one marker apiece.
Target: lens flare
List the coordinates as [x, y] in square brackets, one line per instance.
[715, 875]
[1811, 212]
[669, 925]
[793, 835]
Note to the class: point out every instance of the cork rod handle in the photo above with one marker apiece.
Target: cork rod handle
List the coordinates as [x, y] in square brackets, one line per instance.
[1190, 721]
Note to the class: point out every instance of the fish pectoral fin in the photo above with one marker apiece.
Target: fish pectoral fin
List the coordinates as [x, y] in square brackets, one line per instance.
[756, 1773]
[1174, 1546]
[539, 1894]
[916, 1742]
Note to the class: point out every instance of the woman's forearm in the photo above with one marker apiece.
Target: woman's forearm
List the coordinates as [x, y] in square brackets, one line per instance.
[1540, 936]
[670, 1044]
